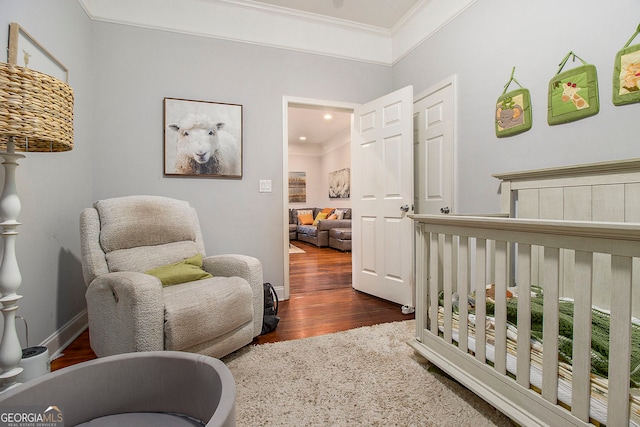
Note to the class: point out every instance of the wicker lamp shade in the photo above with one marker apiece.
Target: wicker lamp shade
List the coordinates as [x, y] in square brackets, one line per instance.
[36, 109]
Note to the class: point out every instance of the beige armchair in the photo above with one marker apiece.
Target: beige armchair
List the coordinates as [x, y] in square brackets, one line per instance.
[129, 310]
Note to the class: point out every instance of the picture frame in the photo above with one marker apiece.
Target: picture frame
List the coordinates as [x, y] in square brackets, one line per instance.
[340, 184]
[513, 113]
[297, 187]
[202, 139]
[626, 76]
[573, 95]
[25, 51]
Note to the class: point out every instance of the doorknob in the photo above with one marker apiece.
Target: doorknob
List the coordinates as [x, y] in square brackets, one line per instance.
[404, 208]
[445, 210]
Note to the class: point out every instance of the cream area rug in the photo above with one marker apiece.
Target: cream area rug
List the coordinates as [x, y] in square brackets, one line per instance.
[293, 249]
[363, 377]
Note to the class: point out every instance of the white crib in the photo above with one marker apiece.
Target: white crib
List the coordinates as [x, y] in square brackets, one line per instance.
[575, 233]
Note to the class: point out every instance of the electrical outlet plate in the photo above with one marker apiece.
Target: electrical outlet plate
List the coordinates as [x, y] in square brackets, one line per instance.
[265, 186]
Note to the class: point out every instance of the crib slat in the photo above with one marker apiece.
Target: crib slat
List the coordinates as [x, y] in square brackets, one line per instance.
[619, 342]
[550, 325]
[447, 278]
[455, 246]
[581, 384]
[463, 291]
[491, 266]
[524, 319]
[481, 292]
[501, 307]
[422, 280]
[434, 280]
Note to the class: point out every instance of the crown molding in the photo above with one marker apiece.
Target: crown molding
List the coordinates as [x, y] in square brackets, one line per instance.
[268, 25]
[422, 23]
[307, 16]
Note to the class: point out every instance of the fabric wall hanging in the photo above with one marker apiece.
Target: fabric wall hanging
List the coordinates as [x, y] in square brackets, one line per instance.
[573, 94]
[626, 74]
[513, 110]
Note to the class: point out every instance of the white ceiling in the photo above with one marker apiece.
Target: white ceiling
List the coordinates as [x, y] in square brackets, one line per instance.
[377, 13]
[320, 133]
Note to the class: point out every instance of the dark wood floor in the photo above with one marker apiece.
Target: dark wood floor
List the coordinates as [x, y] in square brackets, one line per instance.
[321, 301]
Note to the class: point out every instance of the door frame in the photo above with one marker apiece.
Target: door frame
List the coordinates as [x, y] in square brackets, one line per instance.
[286, 101]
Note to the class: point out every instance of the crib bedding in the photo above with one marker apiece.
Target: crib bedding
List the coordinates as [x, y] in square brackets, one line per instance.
[599, 350]
[600, 325]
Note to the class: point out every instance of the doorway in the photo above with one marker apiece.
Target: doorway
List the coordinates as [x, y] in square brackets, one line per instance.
[433, 124]
[296, 112]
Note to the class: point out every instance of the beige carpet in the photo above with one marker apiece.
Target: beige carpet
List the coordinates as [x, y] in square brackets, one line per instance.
[363, 377]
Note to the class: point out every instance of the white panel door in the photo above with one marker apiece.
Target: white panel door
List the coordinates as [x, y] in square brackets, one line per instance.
[434, 123]
[382, 194]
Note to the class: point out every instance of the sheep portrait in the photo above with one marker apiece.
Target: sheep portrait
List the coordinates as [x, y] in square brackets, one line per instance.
[202, 149]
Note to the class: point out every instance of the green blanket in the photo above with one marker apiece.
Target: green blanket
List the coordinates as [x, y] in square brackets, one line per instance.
[599, 334]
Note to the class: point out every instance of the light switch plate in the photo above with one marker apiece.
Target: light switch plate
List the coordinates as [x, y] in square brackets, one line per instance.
[265, 186]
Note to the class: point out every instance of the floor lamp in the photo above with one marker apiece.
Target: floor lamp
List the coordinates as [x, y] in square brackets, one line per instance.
[36, 114]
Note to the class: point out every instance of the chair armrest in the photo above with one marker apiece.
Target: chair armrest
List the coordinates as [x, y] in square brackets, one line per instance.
[93, 258]
[126, 313]
[247, 267]
[328, 224]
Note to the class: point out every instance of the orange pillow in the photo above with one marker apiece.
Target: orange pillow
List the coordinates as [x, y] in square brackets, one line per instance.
[305, 219]
[327, 211]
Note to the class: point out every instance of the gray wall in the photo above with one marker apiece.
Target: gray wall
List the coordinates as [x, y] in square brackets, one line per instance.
[312, 167]
[482, 45]
[121, 74]
[136, 68]
[54, 187]
[317, 168]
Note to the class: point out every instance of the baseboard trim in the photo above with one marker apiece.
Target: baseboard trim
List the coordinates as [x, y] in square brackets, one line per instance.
[64, 336]
[280, 292]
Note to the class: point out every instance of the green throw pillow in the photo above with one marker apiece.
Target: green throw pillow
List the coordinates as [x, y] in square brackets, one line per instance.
[183, 271]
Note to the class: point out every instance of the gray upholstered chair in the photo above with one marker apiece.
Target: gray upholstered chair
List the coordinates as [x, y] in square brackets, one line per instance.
[129, 310]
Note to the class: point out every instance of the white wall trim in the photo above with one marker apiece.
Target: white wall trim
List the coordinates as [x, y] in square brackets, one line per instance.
[285, 194]
[423, 24]
[268, 25]
[64, 336]
[238, 22]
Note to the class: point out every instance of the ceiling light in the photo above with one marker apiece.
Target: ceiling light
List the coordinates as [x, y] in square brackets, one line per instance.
[303, 138]
[328, 116]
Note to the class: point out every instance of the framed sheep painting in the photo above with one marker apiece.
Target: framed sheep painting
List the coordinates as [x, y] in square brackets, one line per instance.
[202, 139]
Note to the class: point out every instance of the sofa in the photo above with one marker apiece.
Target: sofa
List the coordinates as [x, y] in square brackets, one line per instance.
[317, 234]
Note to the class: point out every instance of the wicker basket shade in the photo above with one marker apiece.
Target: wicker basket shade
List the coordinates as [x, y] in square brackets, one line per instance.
[36, 109]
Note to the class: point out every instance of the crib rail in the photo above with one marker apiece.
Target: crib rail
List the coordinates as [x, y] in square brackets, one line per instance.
[593, 263]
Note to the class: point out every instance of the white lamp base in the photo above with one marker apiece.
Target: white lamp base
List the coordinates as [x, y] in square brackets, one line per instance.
[10, 278]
